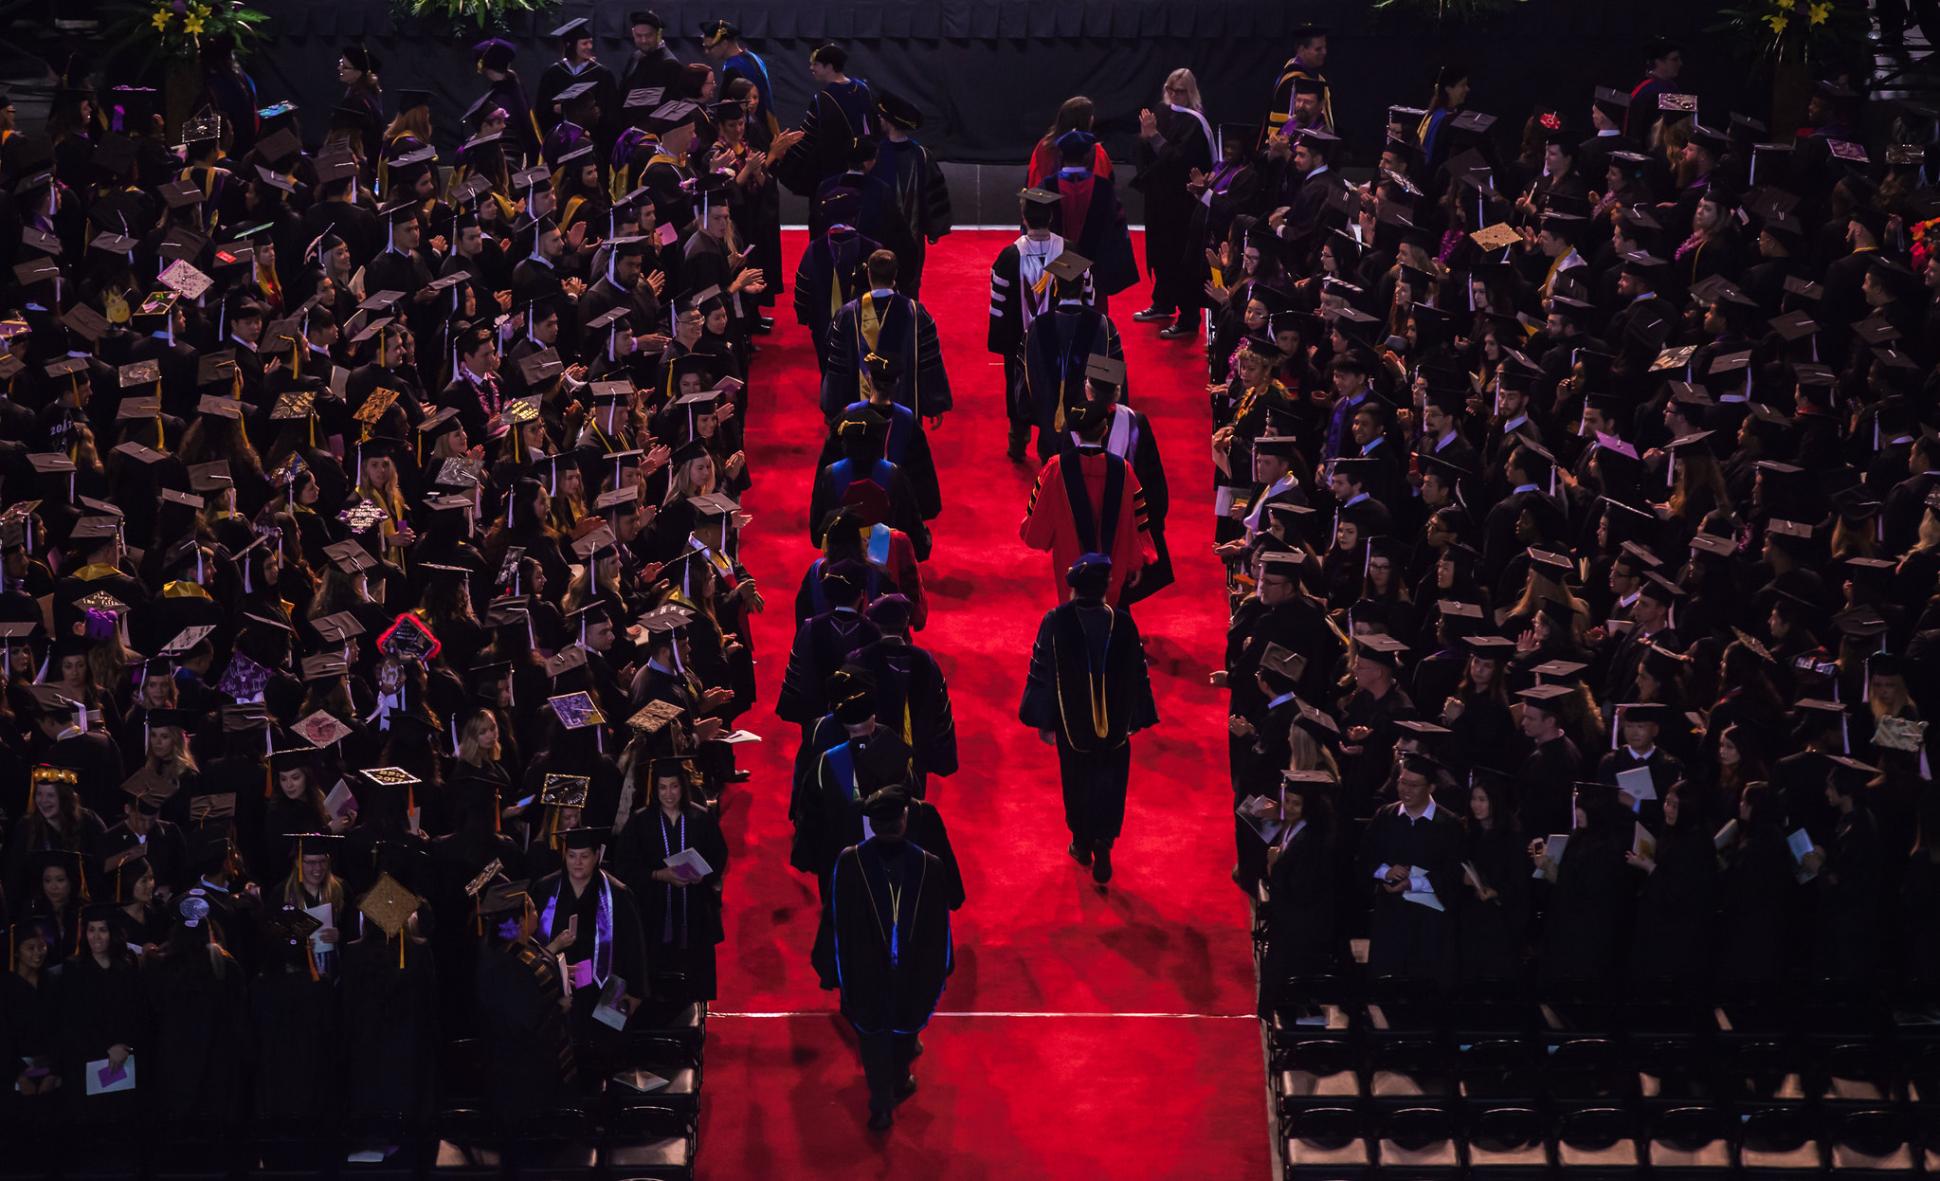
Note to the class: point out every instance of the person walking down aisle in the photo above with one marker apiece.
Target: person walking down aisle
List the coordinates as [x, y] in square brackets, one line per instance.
[893, 953]
[1089, 663]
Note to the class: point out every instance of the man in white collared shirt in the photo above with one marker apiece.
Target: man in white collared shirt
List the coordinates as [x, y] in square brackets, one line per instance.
[1412, 854]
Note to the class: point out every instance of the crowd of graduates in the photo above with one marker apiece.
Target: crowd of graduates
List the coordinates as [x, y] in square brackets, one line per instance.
[1578, 477]
[373, 626]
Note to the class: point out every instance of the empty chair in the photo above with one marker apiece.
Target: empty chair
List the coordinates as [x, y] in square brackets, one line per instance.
[1419, 1140]
[645, 1143]
[1775, 1142]
[466, 1146]
[1317, 1073]
[1689, 1142]
[1858, 1074]
[1327, 1142]
[1587, 1070]
[1406, 1072]
[1765, 1073]
[558, 1145]
[1871, 1142]
[1598, 1140]
[1498, 1072]
[1672, 1071]
[1506, 1143]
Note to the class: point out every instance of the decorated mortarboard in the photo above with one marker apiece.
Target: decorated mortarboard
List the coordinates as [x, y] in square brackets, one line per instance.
[409, 639]
[565, 791]
[244, 679]
[293, 405]
[321, 729]
[520, 411]
[186, 639]
[388, 905]
[654, 716]
[576, 711]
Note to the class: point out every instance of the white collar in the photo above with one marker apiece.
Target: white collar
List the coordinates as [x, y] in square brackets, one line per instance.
[1427, 813]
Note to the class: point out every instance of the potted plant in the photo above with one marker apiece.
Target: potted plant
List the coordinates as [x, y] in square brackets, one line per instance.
[460, 17]
[170, 35]
[1786, 38]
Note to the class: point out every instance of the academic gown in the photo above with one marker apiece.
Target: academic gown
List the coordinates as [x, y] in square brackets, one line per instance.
[1299, 916]
[838, 115]
[98, 1007]
[1752, 933]
[1589, 908]
[1131, 439]
[1092, 222]
[200, 1041]
[1410, 940]
[1173, 256]
[391, 1019]
[625, 955]
[528, 1055]
[908, 447]
[924, 198]
[893, 949]
[1088, 500]
[1055, 350]
[913, 699]
[1088, 681]
[1851, 897]
[892, 326]
[833, 481]
[829, 276]
[681, 924]
[1492, 931]
[298, 1046]
[1674, 908]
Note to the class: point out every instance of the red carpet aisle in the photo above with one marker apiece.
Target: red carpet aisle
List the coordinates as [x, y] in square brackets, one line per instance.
[1004, 1092]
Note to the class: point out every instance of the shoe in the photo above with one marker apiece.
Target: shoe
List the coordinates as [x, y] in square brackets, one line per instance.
[917, 1054]
[1179, 332]
[740, 777]
[1020, 437]
[1101, 864]
[1150, 314]
[907, 1089]
[1079, 854]
[881, 1121]
[764, 324]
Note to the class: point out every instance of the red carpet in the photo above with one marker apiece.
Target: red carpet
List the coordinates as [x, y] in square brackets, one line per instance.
[1001, 1095]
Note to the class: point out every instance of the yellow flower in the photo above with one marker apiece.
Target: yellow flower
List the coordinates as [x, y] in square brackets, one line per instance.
[160, 21]
[200, 10]
[1785, 5]
[1778, 24]
[192, 25]
[1819, 13]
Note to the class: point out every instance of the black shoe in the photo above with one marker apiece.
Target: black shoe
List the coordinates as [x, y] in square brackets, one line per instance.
[917, 1054]
[1020, 437]
[740, 777]
[1079, 853]
[1179, 331]
[881, 1121]
[1101, 864]
[907, 1089]
[1150, 314]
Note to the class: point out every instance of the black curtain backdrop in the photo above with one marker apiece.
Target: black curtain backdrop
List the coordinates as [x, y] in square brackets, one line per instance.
[988, 76]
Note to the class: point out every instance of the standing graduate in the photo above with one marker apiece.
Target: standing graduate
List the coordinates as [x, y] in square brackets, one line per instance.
[198, 995]
[576, 65]
[680, 908]
[390, 1000]
[910, 691]
[892, 947]
[1087, 501]
[651, 63]
[886, 323]
[522, 1004]
[103, 1017]
[1089, 663]
[1411, 856]
[831, 273]
[590, 916]
[1175, 151]
[912, 171]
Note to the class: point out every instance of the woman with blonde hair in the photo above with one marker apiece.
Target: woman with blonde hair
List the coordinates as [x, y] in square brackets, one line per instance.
[1176, 153]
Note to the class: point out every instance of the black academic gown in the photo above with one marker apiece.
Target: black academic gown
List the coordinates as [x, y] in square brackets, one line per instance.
[200, 1043]
[391, 1019]
[1492, 931]
[1674, 908]
[681, 924]
[1589, 909]
[625, 956]
[99, 1007]
[892, 936]
[904, 332]
[913, 699]
[1299, 915]
[1407, 939]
